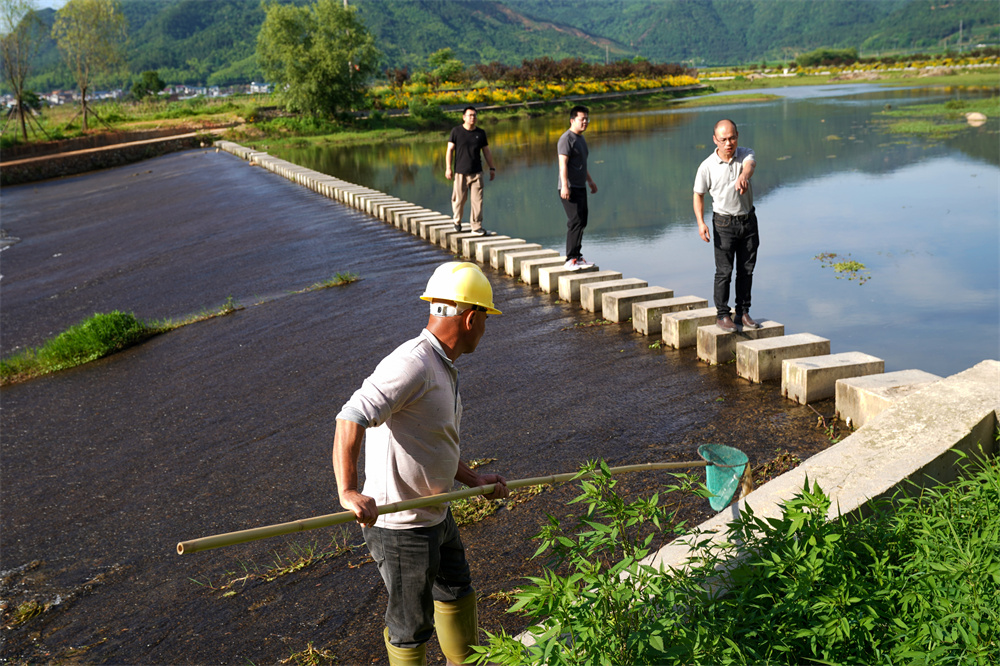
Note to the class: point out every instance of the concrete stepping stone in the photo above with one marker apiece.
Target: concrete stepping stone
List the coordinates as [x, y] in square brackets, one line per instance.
[424, 226]
[389, 212]
[860, 399]
[455, 240]
[569, 285]
[499, 252]
[680, 329]
[548, 277]
[470, 247]
[647, 316]
[592, 295]
[716, 346]
[483, 250]
[617, 305]
[382, 210]
[512, 260]
[530, 268]
[760, 360]
[411, 220]
[813, 378]
[446, 237]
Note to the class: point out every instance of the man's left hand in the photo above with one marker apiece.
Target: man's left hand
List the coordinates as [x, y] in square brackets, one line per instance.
[742, 183]
[500, 492]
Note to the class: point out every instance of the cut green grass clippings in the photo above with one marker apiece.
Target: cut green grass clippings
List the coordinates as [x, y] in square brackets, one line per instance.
[26, 612]
[587, 324]
[311, 656]
[474, 509]
[297, 558]
[338, 280]
[781, 463]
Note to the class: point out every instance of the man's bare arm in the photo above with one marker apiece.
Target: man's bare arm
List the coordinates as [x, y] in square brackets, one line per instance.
[346, 450]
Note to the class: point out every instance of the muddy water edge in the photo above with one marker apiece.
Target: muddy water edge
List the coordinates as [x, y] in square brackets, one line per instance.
[227, 424]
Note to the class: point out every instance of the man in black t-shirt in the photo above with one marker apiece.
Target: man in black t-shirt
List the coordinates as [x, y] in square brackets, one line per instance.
[465, 144]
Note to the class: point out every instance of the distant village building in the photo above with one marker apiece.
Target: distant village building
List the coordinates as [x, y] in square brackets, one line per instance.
[264, 88]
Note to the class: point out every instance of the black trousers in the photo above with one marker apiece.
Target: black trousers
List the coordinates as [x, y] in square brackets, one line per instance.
[576, 221]
[736, 241]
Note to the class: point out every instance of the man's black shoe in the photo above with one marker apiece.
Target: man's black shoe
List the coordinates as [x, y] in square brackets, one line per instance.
[458, 227]
[726, 324]
[748, 322]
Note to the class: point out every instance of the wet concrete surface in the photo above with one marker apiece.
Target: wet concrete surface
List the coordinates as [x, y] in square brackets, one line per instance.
[227, 424]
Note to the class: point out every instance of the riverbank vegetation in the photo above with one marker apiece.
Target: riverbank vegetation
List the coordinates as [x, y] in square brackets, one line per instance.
[941, 120]
[254, 121]
[916, 581]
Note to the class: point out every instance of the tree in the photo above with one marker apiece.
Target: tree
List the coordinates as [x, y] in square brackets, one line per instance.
[147, 85]
[320, 57]
[91, 36]
[20, 36]
[445, 66]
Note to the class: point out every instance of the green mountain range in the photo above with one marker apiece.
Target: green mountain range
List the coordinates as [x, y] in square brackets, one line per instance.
[212, 42]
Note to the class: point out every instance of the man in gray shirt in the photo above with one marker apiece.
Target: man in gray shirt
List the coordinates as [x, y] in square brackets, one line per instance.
[408, 414]
[573, 180]
[726, 174]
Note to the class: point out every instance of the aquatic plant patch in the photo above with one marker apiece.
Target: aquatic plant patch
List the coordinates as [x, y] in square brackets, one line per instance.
[844, 267]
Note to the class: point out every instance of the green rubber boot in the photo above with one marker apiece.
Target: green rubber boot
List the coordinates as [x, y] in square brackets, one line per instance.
[457, 625]
[404, 656]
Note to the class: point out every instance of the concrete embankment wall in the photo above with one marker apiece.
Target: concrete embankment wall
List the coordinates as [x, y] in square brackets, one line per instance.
[911, 420]
[43, 167]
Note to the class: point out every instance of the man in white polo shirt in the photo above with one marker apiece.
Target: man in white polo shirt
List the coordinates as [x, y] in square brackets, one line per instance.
[411, 411]
[726, 174]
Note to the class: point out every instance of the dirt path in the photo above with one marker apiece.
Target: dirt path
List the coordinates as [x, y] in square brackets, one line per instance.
[227, 424]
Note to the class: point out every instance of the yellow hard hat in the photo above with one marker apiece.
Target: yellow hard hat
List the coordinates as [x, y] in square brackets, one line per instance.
[462, 282]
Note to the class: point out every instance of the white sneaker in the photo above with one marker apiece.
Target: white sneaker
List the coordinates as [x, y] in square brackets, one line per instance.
[583, 263]
[572, 265]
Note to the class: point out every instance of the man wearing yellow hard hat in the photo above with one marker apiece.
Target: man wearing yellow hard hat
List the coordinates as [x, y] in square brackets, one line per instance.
[411, 410]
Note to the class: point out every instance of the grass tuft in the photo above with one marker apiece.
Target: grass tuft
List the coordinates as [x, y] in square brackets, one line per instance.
[94, 338]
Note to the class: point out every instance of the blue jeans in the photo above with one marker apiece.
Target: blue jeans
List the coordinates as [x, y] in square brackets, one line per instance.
[736, 240]
[419, 566]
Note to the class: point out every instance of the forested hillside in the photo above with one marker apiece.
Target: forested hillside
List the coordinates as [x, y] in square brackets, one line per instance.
[213, 41]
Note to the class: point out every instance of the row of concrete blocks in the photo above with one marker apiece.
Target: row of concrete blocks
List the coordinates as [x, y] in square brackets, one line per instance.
[802, 361]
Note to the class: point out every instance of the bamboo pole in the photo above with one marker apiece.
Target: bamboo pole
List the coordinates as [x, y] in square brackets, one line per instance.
[267, 531]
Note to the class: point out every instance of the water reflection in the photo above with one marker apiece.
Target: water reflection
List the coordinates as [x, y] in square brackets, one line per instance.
[921, 214]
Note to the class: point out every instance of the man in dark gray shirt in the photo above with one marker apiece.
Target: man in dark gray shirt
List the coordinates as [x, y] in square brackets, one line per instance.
[573, 181]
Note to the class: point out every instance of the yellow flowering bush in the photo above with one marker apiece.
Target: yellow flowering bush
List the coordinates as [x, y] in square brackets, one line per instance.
[391, 98]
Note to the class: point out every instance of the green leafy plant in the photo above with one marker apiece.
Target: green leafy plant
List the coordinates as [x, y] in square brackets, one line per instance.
[601, 610]
[916, 580]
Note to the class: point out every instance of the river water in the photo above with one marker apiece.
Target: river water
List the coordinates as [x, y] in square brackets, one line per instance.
[922, 215]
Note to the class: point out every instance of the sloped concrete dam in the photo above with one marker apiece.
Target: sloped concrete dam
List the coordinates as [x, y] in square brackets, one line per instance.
[227, 424]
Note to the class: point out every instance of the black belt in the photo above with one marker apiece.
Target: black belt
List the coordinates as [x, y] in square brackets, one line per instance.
[730, 218]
